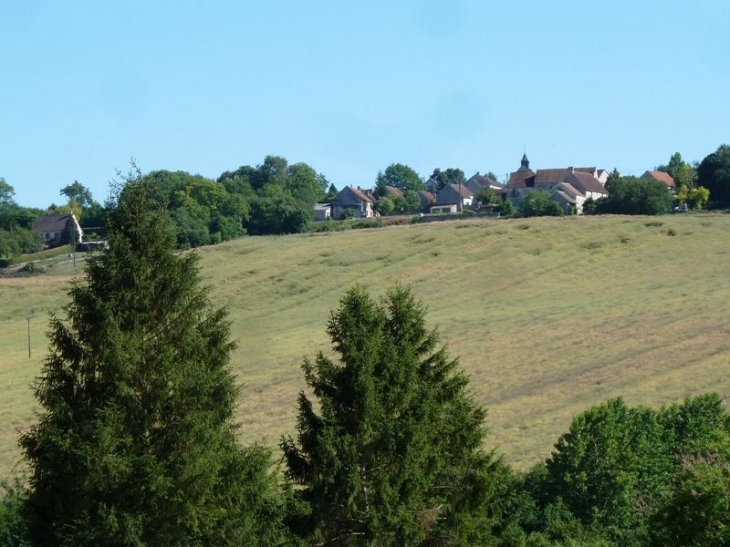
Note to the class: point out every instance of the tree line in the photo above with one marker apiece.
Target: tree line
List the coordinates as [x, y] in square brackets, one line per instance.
[135, 442]
[278, 198]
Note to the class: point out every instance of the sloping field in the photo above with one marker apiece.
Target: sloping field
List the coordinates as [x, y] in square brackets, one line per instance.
[549, 316]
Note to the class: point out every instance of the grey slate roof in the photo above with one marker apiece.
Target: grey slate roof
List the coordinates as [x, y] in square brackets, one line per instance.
[51, 223]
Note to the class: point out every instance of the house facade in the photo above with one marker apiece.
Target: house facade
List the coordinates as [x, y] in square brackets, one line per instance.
[454, 194]
[352, 199]
[322, 211]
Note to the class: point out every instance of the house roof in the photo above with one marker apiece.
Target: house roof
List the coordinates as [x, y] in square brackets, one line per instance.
[546, 177]
[482, 181]
[463, 189]
[564, 196]
[661, 176]
[52, 223]
[569, 188]
[360, 194]
[517, 178]
[394, 191]
[584, 182]
[426, 196]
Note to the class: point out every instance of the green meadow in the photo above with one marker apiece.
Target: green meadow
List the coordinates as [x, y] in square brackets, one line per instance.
[549, 316]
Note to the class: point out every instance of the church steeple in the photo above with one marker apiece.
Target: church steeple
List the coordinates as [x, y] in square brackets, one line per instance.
[525, 162]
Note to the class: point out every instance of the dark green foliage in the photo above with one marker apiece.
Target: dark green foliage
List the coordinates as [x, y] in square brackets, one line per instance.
[391, 453]
[697, 511]
[281, 196]
[79, 193]
[487, 195]
[331, 192]
[16, 225]
[202, 211]
[714, 174]
[618, 467]
[277, 213]
[505, 207]
[384, 205]
[13, 526]
[538, 203]
[16, 241]
[634, 196]
[607, 469]
[135, 441]
[447, 177]
[6, 193]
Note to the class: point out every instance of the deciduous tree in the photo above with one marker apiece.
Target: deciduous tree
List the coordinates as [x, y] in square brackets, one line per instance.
[6, 193]
[714, 174]
[448, 176]
[401, 176]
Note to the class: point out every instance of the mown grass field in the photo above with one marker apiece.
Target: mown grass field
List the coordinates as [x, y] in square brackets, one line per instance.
[549, 316]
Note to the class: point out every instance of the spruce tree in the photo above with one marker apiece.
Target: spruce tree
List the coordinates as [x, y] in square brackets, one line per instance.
[135, 440]
[390, 453]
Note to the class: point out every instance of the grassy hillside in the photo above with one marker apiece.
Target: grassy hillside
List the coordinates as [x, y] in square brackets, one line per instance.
[549, 316]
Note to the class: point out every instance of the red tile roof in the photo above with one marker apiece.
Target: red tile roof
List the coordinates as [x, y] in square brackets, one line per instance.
[360, 194]
[546, 177]
[661, 176]
[517, 178]
[394, 191]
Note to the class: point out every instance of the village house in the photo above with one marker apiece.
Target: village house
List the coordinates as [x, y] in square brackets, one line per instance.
[52, 228]
[477, 182]
[352, 199]
[322, 211]
[660, 176]
[452, 198]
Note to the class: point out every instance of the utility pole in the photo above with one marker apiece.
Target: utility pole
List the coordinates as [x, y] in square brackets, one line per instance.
[73, 230]
[28, 319]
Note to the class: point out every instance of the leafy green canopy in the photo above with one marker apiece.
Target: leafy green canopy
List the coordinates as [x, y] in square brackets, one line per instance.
[537, 203]
[625, 472]
[634, 196]
[135, 441]
[714, 174]
[391, 453]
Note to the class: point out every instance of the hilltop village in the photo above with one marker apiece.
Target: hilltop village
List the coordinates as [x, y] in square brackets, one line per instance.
[568, 187]
[277, 197]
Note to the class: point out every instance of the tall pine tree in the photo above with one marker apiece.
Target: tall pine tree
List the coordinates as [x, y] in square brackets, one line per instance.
[391, 452]
[135, 443]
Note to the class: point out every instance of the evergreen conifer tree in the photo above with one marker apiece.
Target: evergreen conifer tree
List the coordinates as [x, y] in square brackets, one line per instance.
[391, 452]
[135, 441]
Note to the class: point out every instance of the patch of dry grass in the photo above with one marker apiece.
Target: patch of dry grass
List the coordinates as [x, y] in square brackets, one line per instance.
[549, 316]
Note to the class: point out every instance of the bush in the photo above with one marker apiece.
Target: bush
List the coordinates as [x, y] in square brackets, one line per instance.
[537, 203]
[634, 196]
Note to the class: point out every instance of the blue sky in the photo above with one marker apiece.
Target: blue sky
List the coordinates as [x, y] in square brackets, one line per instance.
[351, 87]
